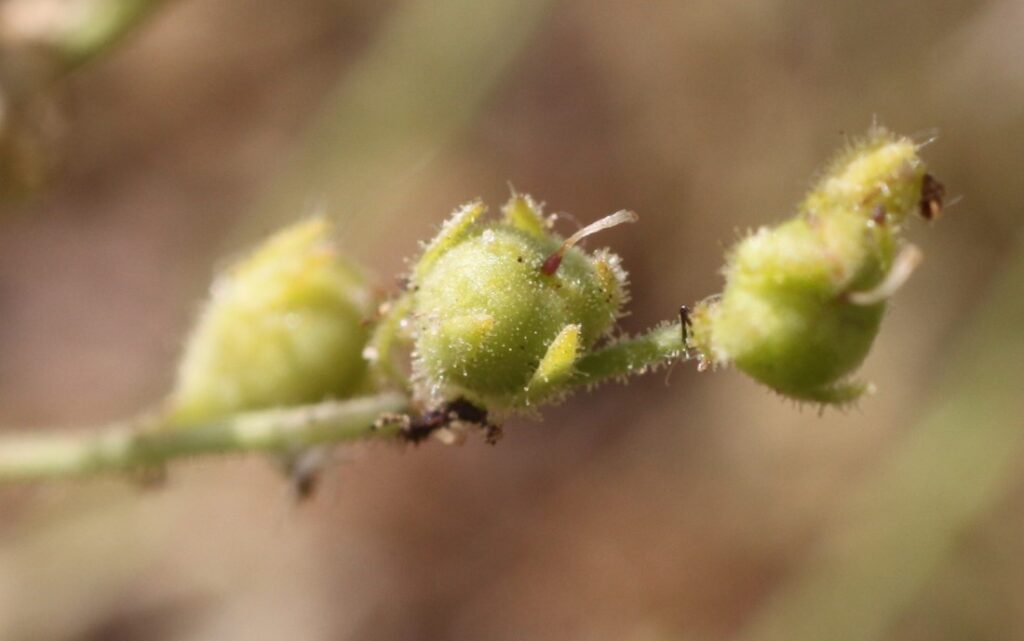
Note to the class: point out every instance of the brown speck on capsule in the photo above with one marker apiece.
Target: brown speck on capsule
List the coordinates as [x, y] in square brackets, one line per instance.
[932, 193]
[878, 214]
[551, 263]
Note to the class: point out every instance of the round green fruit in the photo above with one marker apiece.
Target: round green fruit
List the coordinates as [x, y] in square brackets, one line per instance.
[502, 310]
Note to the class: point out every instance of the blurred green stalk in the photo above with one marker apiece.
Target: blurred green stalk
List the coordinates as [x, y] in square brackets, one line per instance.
[147, 444]
[421, 83]
[945, 475]
[61, 38]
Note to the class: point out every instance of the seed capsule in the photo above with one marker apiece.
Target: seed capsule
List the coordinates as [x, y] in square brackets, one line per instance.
[503, 309]
[284, 326]
[803, 300]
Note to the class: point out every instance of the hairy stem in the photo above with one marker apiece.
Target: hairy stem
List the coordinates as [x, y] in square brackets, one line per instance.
[632, 356]
[147, 443]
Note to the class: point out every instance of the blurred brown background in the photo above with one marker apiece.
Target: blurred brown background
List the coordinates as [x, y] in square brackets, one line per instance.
[678, 507]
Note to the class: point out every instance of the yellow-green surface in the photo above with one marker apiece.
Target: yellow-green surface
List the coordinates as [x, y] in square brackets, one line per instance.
[785, 316]
[285, 326]
[488, 318]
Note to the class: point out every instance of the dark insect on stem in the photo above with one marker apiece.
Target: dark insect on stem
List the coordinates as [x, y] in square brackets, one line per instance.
[459, 410]
[932, 193]
[684, 322]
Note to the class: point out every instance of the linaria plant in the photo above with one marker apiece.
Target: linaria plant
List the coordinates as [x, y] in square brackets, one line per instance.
[501, 315]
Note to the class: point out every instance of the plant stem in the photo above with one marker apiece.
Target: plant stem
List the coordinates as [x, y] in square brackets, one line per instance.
[632, 356]
[148, 443]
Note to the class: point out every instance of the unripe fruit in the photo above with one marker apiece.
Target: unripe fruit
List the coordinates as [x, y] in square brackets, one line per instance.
[803, 300]
[284, 326]
[503, 309]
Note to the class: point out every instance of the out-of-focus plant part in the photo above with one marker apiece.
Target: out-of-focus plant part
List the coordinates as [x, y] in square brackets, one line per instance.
[803, 300]
[418, 86]
[147, 444]
[62, 34]
[285, 326]
[40, 41]
[46, 553]
[948, 472]
[29, 129]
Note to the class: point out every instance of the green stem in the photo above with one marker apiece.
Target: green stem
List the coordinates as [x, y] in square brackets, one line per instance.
[147, 444]
[150, 443]
[632, 356]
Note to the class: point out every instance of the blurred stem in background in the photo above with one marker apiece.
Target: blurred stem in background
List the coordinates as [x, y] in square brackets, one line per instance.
[904, 522]
[68, 33]
[108, 21]
[41, 41]
[421, 84]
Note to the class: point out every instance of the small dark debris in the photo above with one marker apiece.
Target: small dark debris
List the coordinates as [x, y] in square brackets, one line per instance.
[878, 214]
[684, 321]
[932, 193]
[304, 469]
[459, 410]
[492, 434]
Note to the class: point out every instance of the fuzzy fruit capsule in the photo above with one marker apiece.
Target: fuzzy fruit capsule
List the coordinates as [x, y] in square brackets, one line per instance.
[803, 300]
[502, 309]
[283, 326]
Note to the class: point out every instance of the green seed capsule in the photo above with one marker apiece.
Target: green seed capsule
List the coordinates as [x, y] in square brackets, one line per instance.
[803, 300]
[284, 326]
[502, 310]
